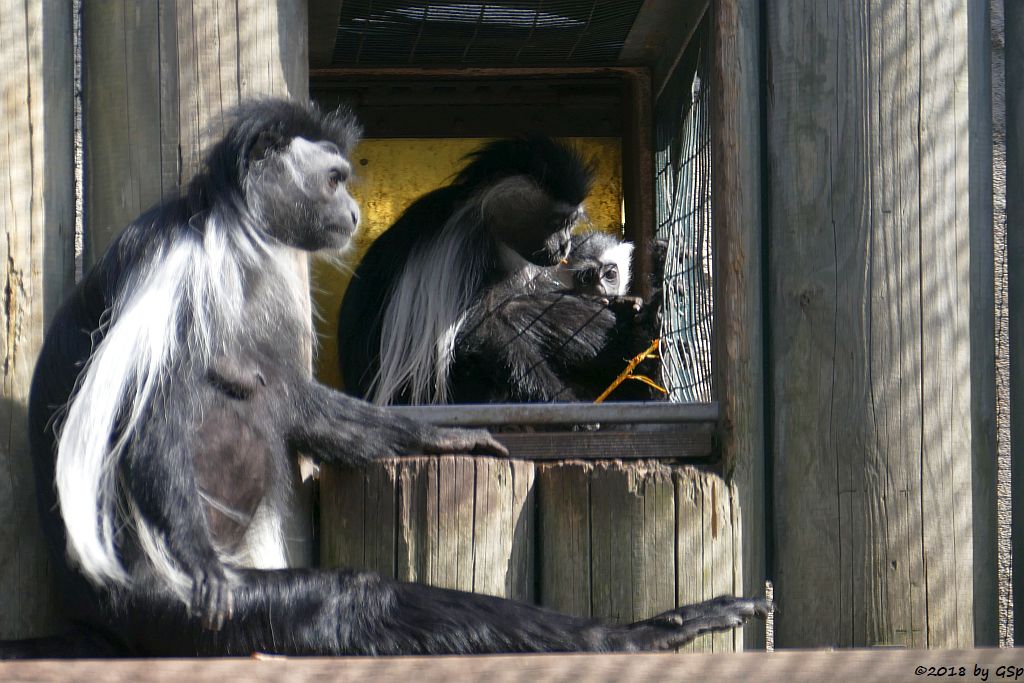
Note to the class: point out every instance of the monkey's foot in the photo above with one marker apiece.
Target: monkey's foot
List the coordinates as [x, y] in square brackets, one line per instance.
[680, 626]
[212, 597]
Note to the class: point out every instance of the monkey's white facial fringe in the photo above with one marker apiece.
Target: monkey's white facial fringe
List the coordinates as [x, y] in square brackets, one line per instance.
[196, 281]
[426, 308]
[621, 254]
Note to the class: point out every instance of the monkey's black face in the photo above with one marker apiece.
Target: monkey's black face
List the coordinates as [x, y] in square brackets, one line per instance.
[302, 196]
[522, 216]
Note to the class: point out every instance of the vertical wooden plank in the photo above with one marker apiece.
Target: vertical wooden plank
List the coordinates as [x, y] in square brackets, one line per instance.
[1014, 31]
[522, 577]
[876, 402]
[121, 108]
[496, 511]
[343, 510]
[722, 571]
[690, 546]
[451, 521]
[37, 211]
[563, 521]
[739, 376]
[358, 508]
[632, 541]
[893, 143]
[708, 550]
[946, 283]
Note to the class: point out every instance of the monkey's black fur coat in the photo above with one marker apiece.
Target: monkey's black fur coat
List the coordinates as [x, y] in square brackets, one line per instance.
[154, 530]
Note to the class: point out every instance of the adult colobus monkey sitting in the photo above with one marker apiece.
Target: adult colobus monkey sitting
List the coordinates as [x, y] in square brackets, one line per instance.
[508, 214]
[170, 396]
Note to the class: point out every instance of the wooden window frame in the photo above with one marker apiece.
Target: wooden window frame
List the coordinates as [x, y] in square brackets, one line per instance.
[664, 431]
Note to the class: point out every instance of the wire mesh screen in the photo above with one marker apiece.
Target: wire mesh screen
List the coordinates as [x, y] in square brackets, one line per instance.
[683, 209]
[503, 32]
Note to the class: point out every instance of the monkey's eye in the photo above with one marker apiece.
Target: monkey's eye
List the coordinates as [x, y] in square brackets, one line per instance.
[336, 177]
[611, 273]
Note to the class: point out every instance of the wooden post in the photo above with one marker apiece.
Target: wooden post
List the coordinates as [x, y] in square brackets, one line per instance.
[456, 522]
[37, 212]
[876, 402]
[739, 343]
[160, 78]
[1014, 30]
[625, 541]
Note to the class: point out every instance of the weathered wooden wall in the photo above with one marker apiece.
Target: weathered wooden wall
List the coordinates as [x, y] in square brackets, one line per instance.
[37, 212]
[883, 460]
[608, 539]
[159, 81]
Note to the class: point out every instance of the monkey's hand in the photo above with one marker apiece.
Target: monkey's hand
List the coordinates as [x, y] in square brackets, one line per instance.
[441, 440]
[624, 303]
[212, 598]
[680, 626]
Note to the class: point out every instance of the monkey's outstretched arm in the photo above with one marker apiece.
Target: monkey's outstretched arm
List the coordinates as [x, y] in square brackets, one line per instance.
[329, 425]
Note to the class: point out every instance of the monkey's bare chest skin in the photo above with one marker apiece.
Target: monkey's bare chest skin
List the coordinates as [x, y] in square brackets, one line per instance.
[239, 452]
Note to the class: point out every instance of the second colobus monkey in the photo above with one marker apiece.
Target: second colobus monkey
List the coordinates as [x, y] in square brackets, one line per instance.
[167, 404]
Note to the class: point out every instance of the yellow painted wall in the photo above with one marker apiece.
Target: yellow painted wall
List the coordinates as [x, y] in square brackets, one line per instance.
[391, 173]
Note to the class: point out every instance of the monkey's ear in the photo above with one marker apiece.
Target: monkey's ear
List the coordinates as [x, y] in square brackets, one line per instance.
[343, 128]
[264, 143]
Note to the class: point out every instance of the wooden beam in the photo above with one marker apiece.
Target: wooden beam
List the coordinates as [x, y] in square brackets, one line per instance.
[639, 412]
[890, 665]
[325, 75]
[738, 352]
[323, 31]
[678, 442]
[37, 212]
[659, 37]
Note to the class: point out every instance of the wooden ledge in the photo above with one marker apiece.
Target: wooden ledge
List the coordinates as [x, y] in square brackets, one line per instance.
[792, 666]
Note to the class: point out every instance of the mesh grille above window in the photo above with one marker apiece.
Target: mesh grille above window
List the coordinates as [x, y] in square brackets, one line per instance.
[508, 33]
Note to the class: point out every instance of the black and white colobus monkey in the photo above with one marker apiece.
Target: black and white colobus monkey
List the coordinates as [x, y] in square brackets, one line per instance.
[169, 398]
